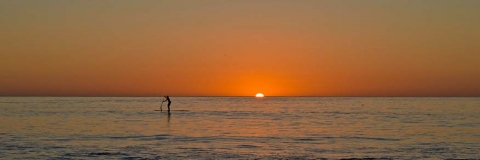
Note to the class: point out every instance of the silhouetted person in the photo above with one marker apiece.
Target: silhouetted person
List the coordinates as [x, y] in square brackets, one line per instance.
[169, 102]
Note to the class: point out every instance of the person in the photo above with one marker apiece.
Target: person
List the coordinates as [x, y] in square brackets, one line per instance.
[167, 98]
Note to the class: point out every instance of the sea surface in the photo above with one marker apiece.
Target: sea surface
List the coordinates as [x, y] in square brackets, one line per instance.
[239, 128]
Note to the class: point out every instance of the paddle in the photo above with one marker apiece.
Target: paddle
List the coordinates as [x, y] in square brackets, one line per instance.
[162, 104]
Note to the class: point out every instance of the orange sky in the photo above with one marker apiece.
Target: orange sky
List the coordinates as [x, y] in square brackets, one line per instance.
[239, 48]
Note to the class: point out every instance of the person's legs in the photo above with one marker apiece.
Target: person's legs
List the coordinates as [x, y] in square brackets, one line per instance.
[168, 108]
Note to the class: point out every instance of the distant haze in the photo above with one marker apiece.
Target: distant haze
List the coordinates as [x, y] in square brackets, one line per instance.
[240, 48]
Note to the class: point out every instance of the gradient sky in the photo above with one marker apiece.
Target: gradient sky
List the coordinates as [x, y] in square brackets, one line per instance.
[240, 47]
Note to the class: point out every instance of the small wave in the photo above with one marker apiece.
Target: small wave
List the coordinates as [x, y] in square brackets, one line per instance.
[136, 148]
[247, 146]
[340, 113]
[194, 149]
[152, 137]
[155, 137]
[96, 154]
[12, 102]
[141, 138]
[16, 147]
[306, 139]
[53, 147]
[373, 138]
[365, 158]
[344, 137]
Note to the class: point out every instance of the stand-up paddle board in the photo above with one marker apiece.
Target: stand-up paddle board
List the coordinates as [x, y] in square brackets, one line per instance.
[180, 110]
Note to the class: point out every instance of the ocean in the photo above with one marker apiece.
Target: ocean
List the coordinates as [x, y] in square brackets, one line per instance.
[239, 128]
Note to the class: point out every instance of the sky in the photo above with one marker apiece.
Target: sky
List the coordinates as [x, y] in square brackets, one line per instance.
[240, 48]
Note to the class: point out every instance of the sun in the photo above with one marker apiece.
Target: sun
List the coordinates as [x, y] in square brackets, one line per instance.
[259, 95]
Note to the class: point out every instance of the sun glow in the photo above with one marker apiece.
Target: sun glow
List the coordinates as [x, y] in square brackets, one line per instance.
[259, 95]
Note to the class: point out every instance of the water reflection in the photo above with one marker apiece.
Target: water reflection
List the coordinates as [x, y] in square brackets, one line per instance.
[168, 121]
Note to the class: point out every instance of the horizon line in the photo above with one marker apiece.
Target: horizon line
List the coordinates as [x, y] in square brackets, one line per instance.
[240, 96]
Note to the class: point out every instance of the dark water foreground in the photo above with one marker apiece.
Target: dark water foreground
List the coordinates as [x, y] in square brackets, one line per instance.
[239, 128]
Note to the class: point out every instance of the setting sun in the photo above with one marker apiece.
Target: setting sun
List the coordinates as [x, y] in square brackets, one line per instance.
[259, 95]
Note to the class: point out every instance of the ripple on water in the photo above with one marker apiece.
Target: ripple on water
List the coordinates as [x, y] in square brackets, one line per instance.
[247, 146]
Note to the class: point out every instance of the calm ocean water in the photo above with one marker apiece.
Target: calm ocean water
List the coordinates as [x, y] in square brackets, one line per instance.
[239, 128]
